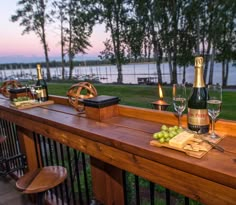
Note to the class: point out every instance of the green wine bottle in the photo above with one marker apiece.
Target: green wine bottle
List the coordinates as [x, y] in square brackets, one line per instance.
[42, 85]
[198, 119]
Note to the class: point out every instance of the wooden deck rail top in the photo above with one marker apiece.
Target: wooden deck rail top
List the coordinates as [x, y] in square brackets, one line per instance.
[123, 141]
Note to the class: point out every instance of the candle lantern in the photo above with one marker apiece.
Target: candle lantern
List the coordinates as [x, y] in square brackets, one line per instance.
[160, 104]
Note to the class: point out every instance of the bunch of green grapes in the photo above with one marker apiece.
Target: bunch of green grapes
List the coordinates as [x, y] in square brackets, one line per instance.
[167, 133]
[19, 99]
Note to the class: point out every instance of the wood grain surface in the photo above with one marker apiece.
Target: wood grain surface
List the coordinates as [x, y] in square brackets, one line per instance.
[123, 141]
[41, 179]
[31, 105]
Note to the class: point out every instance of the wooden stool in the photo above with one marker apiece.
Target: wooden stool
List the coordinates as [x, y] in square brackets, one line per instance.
[41, 180]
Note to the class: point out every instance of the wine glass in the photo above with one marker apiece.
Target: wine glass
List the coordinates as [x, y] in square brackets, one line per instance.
[214, 103]
[33, 91]
[179, 100]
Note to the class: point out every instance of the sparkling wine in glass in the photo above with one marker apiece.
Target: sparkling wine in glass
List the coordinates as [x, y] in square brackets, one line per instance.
[33, 92]
[214, 103]
[179, 100]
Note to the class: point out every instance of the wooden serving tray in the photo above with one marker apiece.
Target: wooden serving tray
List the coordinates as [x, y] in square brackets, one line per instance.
[196, 154]
[31, 105]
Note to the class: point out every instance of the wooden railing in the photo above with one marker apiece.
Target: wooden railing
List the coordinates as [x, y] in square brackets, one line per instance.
[121, 144]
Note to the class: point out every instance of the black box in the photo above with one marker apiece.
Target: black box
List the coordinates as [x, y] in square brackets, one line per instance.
[101, 101]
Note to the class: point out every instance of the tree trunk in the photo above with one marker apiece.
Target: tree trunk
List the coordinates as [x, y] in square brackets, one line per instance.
[118, 63]
[158, 64]
[120, 75]
[198, 36]
[207, 61]
[47, 65]
[225, 72]
[71, 66]
[210, 81]
[175, 28]
[157, 55]
[62, 51]
[45, 47]
[174, 71]
[184, 75]
[170, 66]
[70, 52]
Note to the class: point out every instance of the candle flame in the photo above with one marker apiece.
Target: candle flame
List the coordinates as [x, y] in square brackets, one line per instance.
[160, 91]
[174, 91]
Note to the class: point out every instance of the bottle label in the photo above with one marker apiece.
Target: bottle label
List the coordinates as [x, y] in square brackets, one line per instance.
[198, 117]
[43, 93]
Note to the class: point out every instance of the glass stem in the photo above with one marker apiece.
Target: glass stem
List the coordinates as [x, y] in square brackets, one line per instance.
[213, 126]
[179, 119]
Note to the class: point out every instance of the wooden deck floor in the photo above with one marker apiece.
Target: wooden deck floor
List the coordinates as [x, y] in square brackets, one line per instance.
[9, 195]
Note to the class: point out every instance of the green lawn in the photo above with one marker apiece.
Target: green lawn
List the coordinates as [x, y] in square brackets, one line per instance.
[142, 95]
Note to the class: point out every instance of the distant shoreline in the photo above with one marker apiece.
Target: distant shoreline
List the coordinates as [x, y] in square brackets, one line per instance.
[133, 73]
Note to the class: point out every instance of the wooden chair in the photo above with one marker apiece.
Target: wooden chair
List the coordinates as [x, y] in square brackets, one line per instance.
[41, 180]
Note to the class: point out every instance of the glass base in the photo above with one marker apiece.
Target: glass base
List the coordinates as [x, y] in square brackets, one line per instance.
[214, 136]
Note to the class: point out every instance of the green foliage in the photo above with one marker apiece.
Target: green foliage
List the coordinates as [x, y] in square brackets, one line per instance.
[108, 53]
[33, 16]
[114, 16]
[144, 189]
[175, 31]
[77, 19]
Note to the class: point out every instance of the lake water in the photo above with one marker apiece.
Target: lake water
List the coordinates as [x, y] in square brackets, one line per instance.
[131, 72]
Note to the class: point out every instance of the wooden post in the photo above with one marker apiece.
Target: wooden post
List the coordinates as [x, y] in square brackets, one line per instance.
[27, 146]
[101, 107]
[107, 182]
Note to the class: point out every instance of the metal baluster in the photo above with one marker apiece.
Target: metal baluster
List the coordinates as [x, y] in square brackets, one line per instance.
[41, 150]
[137, 191]
[63, 164]
[58, 162]
[49, 142]
[50, 151]
[85, 177]
[124, 174]
[11, 151]
[45, 151]
[167, 197]
[6, 141]
[152, 198]
[36, 143]
[186, 200]
[77, 171]
[12, 140]
[20, 161]
[3, 133]
[71, 175]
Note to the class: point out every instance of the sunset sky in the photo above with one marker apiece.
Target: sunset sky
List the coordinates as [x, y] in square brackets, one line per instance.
[15, 47]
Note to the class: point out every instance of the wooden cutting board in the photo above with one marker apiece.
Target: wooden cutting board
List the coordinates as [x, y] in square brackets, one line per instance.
[31, 105]
[196, 154]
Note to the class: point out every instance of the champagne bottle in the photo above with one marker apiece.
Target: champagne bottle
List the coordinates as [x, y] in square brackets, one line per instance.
[41, 83]
[198, 119]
